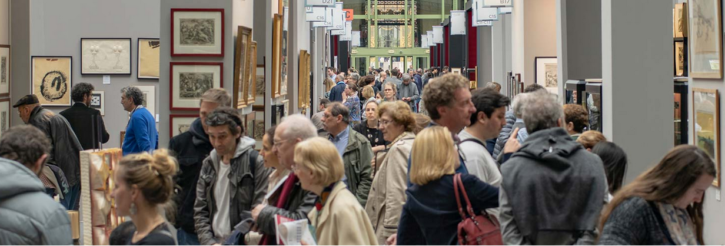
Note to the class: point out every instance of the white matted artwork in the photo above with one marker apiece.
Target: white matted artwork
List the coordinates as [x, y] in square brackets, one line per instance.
[197, 32]
[4, 115]
[181, 123]
[286, 108]
[546, 70]
[4, 69]
[97, 101]
[105, 56]
[149, 102]
[189, 80]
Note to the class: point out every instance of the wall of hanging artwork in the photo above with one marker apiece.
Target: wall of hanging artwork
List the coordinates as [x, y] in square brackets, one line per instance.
[706, 123]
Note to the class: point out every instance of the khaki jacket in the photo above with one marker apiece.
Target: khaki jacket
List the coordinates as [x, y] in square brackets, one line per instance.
[387, 194]
[342, 220]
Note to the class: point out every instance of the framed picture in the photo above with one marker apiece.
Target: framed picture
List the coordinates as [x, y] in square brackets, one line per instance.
[189, 80]
[250, 87]
[277, 114]
[249, 124]
[4, 70]
[285, 112]
[97, 101]
[285, 56]
[197, 32]
[149, 94]
[148, 58]
[546, 69]
[4, 115]
[680, 59]
[304, 78]
[706, 39]
[179, 124]
[258, 129]
[456, 70]
[706, 108]
[241, 63]
[680, 20]
[260, 78]
[104, 56]
[276, 55]
[51, 79]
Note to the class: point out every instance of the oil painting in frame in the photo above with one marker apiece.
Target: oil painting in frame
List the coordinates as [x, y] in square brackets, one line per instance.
[706, 124]
[241, 61]
[250, 87]
[276, 55]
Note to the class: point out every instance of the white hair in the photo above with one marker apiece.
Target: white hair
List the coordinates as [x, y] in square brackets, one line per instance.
[541, 111]
[298, 126]
[517, 105]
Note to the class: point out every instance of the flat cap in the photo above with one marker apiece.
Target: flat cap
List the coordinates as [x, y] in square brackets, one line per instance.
[28, 99]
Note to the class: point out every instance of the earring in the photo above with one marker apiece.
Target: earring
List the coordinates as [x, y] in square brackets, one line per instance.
[132, 210]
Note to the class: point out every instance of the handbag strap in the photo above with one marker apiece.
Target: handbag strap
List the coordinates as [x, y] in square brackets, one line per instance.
[469, 208]
[458, 199]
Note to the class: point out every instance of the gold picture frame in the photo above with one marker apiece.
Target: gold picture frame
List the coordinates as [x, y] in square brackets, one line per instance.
[679, 24]
[276, 55]
[706, 122]
[304, 80]
[241, 62]
[251, 86]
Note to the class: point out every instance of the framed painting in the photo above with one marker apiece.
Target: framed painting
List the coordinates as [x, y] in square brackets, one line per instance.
[259, 90]
[680, 59]
[197, 32]
[304, 79]
[149, 53]
[97, 101]
[285, 112]
[250, 85]
[179, 124]
[189, 80]
[51, 79]
[680, 20]
[249, 124]
[546, 69]
[149, 98]
[241, 64]
[258, 128]
[276, 55]
[105, 56]
[705, 18]
[4, 70]
[706, 108]
[4, 115]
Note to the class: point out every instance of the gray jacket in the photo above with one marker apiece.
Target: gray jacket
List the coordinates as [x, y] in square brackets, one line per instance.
[409, 90]
[65, 147]
[29, 216]
[247, 189]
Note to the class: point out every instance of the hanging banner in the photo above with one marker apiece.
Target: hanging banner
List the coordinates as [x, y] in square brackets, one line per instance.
[328, 19]
[458, 22]
[438, 34]
[355, 38]
[487, 14]
[317, 14]
[505, 10]
[498, 3]
[424, 41]
[430, 38]
[329, 3]
[348, 32]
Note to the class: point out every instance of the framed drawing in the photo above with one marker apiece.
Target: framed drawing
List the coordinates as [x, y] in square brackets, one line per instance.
[680, 59]
[546, 69]
[149, 53]
[4, 115]
[276, 55]
[51, 79]
[179, 124]
[97, 101]
[259, 90]
[4, 70]
[706, 108]
[250, 86]
[241, 63]
[680, 20]
[189, 80]
[104, 56]
[706, 39]
[149, 100]
[197, 32]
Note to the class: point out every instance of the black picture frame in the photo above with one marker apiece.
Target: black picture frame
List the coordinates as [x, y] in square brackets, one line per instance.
[130, 57]
[138, 60]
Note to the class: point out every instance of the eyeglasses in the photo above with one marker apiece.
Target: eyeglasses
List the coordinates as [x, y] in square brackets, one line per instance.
[384, 122]
[278, 143]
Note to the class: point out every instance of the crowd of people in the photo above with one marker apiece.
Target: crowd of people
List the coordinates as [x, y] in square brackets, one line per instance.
[381, 165]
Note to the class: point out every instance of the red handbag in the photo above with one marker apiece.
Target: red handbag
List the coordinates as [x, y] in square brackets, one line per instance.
[475, 229]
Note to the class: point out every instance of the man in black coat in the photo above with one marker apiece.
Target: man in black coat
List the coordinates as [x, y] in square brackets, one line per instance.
[191, 148]
[81, 117]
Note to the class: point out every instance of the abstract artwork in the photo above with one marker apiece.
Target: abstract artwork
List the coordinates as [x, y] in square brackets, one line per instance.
[680, 20]
[680, 68]
[149, 54]
[4, 70]
[97, 101]
[4, 115]
[105, 56]
[51, 79]
[546, 69]
[189, 80]
[707, 124]
[197, 32]
[98, 209]
[705, 39]
[241, 64]
[180, 123]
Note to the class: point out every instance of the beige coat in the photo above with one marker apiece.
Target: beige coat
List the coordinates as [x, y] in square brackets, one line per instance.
[342, 221]
[387, 194]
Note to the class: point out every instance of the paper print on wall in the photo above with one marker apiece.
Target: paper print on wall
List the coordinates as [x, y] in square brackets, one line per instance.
[105, 56]
[51, 79]
[546, 70]
[181, 123]
[705, 39]
[4, 70]
[197, 32]
[4, 115]
[680, 59]
[259, 97]
[680, 20]
[189, 80]
[707, 125]
[149, 53]
[97, 101]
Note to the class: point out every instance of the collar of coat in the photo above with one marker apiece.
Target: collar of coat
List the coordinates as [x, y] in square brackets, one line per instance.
[325, 213]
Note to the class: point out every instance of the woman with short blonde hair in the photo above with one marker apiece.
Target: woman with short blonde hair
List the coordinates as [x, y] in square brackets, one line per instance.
[590, 138]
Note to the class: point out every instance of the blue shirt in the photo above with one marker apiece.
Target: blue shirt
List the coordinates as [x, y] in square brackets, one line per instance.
[522, 134]
[340, 141]
[336, 92]
[141, 134]
[353, 104]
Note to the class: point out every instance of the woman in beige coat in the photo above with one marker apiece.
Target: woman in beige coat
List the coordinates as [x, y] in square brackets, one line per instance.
[338, 218]
[387, 193]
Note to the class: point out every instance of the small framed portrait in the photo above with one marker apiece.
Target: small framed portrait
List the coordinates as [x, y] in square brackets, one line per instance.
[197, 32]
[189, 80]
[180, 123]
[97, 101]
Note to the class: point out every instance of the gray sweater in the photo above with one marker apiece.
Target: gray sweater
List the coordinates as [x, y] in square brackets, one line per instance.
[634, 222]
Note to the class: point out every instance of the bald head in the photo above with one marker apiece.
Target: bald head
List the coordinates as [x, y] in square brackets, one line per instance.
[293, 129]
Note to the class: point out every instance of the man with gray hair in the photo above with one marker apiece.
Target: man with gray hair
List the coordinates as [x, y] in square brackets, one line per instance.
[408, 92]
[550, 162]
[141, 134]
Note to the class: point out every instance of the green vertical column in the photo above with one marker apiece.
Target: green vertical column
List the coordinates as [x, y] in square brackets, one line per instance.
[443, 10]
[405, 24]
[368, 20]
[377, 33]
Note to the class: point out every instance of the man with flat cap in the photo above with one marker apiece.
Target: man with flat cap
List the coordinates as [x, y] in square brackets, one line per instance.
[65, 148]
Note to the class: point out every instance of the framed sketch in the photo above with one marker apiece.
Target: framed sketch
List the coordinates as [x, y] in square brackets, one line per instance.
[250, 86]
[4, 70]
[258, 128]
[149, 53]
[103, 56]
[189, 80]
[706, 108]
[179, 124]
[51, 79]
[197, 32]
[680, 20]
[241, 64]
[706, 39]
[149, 100]
[276, 55]
[546, 69]
[680, 59]
[4, 115]
[97, 101]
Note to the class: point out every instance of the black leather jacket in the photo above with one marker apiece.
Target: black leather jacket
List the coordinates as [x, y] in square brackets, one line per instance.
[65, 148]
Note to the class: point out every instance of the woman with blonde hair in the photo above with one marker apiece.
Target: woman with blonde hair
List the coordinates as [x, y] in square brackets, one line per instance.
[338, 218]
[368, 95]
[390, 92]
[328, 86]
[387, 193]
[590, 138]
[664, 204]
[430, 215]
[143, 184]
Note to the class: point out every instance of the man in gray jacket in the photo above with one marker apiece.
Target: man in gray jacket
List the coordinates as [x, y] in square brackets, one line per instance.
[233, 179]
[29, 216]
[408, 92]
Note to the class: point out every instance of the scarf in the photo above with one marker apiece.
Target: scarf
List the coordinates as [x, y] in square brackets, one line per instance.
[679, 224]
[283, 198]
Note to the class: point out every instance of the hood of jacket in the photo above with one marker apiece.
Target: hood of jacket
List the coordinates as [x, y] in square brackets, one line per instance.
[245, 144]
[551, 146]
[197, 130]
[17, 179]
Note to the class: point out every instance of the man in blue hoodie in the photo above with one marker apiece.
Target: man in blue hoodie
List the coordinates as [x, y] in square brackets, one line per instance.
[190, 149]
[141, 134]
